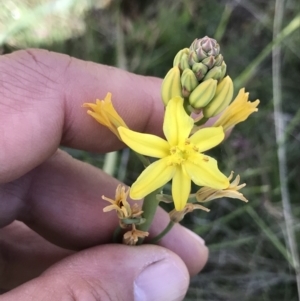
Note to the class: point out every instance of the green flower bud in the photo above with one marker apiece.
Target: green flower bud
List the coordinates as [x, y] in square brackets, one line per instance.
[219, 60]
[214, 73]
[171, 85]
[223, 69]
[184, 62]
[221, 99]
[188, 82]
[203, 94]
[193, 59]
[199, 70]
[209, 62]
[178, 56]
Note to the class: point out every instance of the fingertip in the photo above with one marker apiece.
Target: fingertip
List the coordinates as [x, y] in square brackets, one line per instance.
[186, 244]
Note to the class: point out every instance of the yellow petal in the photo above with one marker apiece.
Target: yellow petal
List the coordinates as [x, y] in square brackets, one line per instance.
[207, 138]
[204, 171]
[238, 111]
[145, 144]
[177, 123]
[105, 113]
[154, 176]
[181, 188]
[102, 119]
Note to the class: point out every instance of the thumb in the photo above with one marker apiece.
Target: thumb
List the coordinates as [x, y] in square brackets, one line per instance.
[110, 272]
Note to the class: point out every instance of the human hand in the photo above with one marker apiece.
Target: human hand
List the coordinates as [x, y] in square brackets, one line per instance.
[55, 239]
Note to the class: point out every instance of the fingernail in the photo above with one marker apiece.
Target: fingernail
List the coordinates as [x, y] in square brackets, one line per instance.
[195, 236]
[162, 280]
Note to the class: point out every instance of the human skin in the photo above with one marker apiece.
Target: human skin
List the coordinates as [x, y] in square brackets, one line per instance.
[55, 240]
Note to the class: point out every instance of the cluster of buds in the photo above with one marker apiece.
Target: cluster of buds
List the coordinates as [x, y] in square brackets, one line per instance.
[198, 76]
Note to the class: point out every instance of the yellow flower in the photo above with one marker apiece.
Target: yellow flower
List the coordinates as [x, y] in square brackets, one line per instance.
[238, 111]
[180, 156]
[105, 113]
[206, 194]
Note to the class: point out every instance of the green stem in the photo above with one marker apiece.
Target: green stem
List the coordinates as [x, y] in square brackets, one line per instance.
[116, 234]
[149, 207]
[163, 233]
[143, 159]
[201, 121]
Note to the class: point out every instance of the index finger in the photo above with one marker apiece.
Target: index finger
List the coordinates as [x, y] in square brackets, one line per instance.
[41, 94]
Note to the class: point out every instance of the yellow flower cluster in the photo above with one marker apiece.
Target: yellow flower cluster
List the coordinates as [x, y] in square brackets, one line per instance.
[180, 155]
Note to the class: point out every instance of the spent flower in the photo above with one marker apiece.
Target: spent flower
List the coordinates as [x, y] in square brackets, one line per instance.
[131, 237]
[206, 194]
[177, 216]
[127, 214]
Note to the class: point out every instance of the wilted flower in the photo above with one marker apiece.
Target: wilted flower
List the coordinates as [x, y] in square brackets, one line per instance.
[177, 216]
[131, 237]
[206, 194]
[127, 214]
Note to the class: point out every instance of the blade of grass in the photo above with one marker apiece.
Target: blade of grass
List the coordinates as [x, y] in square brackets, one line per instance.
[223, 22]
[272, 237]
[252, 67]
[225, 219]
[280, 140]
[110, 160]
[231, 243]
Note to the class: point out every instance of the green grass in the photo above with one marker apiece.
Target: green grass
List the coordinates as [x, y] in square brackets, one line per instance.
[250, 254]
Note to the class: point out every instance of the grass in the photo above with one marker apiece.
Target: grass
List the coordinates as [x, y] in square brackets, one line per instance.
[253, 247]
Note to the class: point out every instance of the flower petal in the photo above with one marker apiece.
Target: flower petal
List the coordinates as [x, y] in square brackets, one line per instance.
[204, 171]
[154, 176]
[177, 123]
[207, 138]
[181, 188]
[145, 144]
[238, 111]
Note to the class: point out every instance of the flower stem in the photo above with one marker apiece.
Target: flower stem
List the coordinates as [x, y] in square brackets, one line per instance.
[143, 159]
[162, 233]
[201, 121]
[116, 235]
[149, 208]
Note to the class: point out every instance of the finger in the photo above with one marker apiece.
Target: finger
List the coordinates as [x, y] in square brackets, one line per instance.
[111, 272]
[24, 255]
[41, 97]
[61, 200]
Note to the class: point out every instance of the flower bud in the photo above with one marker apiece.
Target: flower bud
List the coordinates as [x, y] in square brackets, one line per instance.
[184, 62]
[223, 69]
[209, 62]
[193, 58]
[207, 46]
[203, 94]
[188, 82]
[199, 70]
[221, 100]
[178, 56]
[171, 85]
[214, 73]
[219, 60]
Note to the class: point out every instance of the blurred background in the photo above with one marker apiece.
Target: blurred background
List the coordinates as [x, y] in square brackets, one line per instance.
[253, 247]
